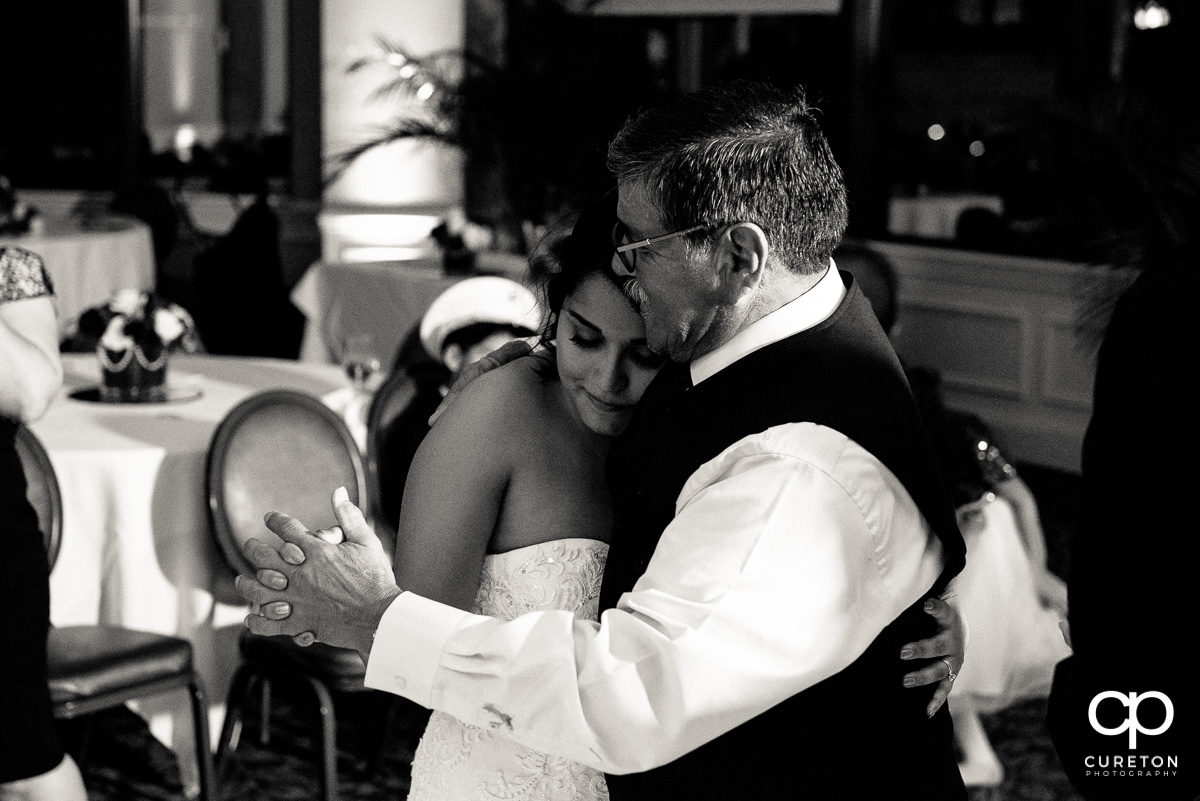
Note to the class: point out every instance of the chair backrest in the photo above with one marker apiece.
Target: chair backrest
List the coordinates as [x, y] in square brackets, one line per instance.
[42, 489]
[393, 396]
[396, 424]
[876, 278]
[279, 450]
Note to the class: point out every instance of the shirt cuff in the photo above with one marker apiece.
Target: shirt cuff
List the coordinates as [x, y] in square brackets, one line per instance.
[408, 646]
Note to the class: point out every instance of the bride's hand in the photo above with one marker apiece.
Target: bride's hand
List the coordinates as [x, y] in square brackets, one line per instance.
[947, 649]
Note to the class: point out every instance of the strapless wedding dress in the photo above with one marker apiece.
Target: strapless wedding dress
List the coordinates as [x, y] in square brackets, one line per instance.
[458, 762]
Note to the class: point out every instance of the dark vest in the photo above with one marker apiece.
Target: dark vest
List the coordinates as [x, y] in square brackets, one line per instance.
[860, 733]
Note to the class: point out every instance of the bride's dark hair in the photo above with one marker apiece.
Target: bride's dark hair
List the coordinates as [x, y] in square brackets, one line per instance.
[565, 259]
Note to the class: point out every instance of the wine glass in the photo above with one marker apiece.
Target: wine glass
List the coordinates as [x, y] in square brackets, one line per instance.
[359, 359]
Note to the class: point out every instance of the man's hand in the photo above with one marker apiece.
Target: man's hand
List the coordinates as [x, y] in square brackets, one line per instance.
[316, 589]
[504, 354]
[948, 647]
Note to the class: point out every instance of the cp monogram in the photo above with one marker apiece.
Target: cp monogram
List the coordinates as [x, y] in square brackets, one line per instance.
[1131, 722]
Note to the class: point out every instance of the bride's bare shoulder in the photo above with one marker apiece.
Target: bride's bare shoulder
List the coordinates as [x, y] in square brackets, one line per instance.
[513, 395]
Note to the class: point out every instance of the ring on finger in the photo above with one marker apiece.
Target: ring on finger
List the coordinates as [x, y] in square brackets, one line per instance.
[950, 674]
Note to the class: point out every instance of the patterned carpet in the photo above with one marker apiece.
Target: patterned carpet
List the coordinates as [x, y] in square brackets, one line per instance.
[124, 763]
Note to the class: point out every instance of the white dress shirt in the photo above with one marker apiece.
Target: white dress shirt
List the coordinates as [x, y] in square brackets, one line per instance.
[788, 554]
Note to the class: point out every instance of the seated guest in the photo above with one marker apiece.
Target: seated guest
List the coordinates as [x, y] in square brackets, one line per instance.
[33, 765]
[466, 322]
[1012, 601]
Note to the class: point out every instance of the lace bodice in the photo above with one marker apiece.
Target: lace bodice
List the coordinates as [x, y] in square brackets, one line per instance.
[562, 574]
[458, 762]
[22, 275]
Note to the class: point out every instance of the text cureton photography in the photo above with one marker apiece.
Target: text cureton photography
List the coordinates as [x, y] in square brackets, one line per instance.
[1161, 713]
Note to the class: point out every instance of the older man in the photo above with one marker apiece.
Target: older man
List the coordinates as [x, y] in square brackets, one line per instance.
[779, 515]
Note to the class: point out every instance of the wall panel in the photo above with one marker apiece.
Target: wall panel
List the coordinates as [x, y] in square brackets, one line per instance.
[1000, 331]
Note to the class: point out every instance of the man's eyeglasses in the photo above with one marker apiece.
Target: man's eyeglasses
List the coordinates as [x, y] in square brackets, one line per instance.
[627, 251]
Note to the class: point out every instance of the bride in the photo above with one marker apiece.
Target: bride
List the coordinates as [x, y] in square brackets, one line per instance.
[524, 523]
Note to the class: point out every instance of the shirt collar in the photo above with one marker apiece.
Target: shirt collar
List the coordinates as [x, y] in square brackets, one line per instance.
[811, 308]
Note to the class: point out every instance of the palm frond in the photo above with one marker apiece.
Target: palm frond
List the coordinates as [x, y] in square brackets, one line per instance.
[400, 129]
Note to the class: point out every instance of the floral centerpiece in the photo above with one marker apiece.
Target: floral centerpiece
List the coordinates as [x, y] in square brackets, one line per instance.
[134, 333]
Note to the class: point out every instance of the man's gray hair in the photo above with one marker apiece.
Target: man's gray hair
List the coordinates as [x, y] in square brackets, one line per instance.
[739, 152]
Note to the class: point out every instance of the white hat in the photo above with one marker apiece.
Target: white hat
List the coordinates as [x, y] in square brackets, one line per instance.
[482, 299]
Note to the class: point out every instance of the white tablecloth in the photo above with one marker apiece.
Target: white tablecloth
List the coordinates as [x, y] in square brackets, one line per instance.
[136, 549]
[89, 264]
[384, 299]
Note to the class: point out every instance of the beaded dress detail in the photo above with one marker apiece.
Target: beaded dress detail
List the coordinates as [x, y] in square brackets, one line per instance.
[458, 762]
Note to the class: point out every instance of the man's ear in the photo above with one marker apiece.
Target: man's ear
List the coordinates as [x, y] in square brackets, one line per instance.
[742, 256]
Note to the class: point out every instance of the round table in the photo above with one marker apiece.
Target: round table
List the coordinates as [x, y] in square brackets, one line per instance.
[384, 299]
[91, 260]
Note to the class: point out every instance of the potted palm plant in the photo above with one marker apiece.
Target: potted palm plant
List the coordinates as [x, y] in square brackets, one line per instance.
[460, 99]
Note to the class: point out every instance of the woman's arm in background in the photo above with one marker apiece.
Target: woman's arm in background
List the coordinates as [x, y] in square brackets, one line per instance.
[29, 360]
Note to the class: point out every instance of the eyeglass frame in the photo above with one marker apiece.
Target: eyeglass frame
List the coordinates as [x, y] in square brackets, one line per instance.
[620, 228]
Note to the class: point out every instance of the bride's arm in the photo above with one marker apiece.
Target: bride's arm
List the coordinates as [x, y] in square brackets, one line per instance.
[457, 486]
[453, 498]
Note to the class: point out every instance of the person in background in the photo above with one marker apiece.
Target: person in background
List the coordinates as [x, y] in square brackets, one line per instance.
[779, 523]
[1012, 601]
[1134, 608]
[33, 766]
[467, 321]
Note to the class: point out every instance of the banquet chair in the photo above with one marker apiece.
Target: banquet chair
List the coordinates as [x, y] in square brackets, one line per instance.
[394, 395]
[397, 421]
[876, 278]
[283, 450]
[94, 668]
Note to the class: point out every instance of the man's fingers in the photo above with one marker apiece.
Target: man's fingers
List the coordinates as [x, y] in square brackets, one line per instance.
[257, 624]
[254, 591]
[353, 523]
[333, 535]
[288, 528]
[266, 601]
[304, 639]
[272, 579]
[264, 556]
[290, 552]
